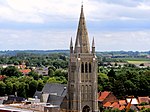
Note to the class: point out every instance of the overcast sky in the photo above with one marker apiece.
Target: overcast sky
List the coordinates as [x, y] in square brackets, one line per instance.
[49, 24]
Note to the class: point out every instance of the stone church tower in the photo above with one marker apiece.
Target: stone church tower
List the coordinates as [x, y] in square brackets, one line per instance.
[82, 78]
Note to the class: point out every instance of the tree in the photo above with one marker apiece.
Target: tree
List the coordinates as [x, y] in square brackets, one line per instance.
[11, 71]
[9, 88]
[2, 88]
[34, 75]
[22, 90]
[50, 72]
[32, 87]
[40, 85]
[111, 73]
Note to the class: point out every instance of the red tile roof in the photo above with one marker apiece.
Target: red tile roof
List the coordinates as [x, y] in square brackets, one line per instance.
[25, 71]
[107, 104]
[143, 99]
[115, 105]
[122, 102]
[2, 77]
[103, 95]
[122, 107]
[146, 106]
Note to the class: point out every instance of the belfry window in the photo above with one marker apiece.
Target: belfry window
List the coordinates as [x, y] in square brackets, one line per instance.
[82, 67]
[90, 68]
[86, 67]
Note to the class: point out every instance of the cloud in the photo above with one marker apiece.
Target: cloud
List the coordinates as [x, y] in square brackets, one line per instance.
[50, 40]
[129, 40]
[40, 24]
[29, 39]
[42, 11]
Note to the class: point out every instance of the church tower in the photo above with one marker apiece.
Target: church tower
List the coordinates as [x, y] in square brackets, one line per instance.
[82, 77]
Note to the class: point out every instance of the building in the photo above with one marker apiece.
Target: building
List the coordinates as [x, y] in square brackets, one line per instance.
[53, 94]
[105, 97]
[82, 78]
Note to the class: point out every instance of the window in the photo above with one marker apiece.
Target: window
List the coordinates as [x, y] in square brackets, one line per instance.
[86, 67]
[82, 67]
[90, 68]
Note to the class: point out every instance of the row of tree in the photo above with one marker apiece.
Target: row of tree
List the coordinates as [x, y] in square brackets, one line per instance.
[125, 81]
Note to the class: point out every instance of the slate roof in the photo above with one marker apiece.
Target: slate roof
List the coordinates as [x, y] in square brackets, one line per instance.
[56, 93]
[59, 89]
[55, 100]
[38, 94]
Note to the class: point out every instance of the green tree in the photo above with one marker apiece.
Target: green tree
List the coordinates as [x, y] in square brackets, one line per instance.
[34, 75]
[22, 90]
[32, 87]
[9, 88]
[11, 71]
[40, 85]
[50, 72]
[2, 88]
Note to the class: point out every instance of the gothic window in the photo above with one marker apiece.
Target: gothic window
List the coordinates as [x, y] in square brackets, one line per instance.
[86, 92]
[82, 92]
[90, 69]
[86, 67]
[90, 92]
[82, 67]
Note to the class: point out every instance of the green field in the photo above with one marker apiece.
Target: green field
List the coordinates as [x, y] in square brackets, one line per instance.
[137, 61]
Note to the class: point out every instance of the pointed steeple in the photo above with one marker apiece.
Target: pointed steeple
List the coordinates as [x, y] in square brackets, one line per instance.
[93, 43]
[71, 46]
[93, 46]
[82, 35]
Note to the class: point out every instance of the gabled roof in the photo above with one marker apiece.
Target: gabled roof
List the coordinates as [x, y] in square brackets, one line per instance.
[143, 99]
[107, 104]
[38, 94]
[115, 105]
[25, 71]
[103, 95]
[55, 89]
[122, 102]
[146, 106]
[55, 100]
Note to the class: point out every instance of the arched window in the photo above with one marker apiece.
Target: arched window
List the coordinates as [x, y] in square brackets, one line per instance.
[90, 68]
[86, 67]
[82, 67]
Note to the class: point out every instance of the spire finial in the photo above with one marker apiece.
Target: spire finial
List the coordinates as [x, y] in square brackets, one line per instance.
[93, 43]
[71, 44]
[82, 2]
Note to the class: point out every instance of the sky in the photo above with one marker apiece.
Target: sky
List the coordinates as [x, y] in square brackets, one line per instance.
[49, 24]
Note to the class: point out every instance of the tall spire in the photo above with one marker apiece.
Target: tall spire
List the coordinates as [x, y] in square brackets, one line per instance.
[82, 35]
[93, 43]
[71, 46]
[93, 46]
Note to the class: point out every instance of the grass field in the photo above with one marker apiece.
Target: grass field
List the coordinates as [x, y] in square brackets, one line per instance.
[138, 61]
